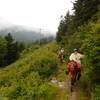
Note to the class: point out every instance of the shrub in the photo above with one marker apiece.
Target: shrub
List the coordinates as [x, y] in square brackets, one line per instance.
[27, 78]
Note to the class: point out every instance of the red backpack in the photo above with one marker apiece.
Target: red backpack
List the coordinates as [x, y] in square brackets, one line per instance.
[72, 66]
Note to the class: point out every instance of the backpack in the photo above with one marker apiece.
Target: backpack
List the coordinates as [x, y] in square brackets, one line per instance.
[72, 66]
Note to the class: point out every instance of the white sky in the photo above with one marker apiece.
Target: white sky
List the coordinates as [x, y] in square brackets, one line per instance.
[44, 14]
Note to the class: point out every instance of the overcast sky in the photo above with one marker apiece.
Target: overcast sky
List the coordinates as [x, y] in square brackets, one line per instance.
[44, 14]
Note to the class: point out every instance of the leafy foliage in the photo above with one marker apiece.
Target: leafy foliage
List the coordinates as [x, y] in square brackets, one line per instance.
[9, 50]
[26, 79]
[3, 49]
[84, 10]
[85, 23]
[91, 48]
[12, 50]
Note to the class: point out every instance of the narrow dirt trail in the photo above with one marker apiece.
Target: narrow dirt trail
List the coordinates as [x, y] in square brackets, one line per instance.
[73, 96]
[65, 93]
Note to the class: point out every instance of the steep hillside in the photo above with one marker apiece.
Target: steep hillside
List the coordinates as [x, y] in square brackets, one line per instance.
[27, 79]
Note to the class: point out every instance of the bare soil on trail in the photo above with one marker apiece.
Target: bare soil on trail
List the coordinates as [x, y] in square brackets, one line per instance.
[65, 93]
[73, 96]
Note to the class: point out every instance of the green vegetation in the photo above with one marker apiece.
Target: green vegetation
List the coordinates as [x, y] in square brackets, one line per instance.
[27, 78]
[91, 48]
[83, 90]
[62, 95]
[3, 49]
[44, 40]
[82, 30]
[9, 50]
[61, 75]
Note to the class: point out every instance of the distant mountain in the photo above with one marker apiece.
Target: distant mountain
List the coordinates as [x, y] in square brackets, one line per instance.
[22, 33]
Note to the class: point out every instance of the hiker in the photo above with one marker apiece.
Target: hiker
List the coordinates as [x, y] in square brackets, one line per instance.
[48, 48]
[58, 52]
[61, 53]
[75, 56]
[71, 71]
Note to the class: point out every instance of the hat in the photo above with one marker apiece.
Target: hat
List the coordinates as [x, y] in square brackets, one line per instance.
[75, 49]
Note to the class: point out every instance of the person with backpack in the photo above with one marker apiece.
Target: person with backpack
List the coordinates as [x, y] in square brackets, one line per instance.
[61, 55]
[58, 51]
[75, 56]
[62, 50]
[72, 71]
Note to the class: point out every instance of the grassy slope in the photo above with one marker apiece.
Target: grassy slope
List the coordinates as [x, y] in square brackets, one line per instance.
[27, 78]
[22, 80]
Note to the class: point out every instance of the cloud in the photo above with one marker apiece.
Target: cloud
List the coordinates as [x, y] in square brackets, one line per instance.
[35, 13]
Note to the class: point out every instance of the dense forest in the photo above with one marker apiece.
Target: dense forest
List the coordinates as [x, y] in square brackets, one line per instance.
[81, 30]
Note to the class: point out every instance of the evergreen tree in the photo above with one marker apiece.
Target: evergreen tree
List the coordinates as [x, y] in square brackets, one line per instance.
[3, 50]
[12, 50]
[63, 27]
[84, 10]
[21, 47]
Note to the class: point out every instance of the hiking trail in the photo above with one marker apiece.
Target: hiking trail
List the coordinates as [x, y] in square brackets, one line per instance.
[63, 84]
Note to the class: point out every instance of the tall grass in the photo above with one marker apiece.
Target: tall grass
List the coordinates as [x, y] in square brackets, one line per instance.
[27, 78]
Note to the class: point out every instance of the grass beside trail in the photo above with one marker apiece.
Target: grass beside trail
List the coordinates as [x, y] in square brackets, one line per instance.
[62, 95]
[82, 93]
[61, 77]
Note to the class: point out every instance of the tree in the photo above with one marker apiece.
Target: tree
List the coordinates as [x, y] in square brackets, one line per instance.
[63, 26]
[84, 10]
[12, 50]
[21, 46]
[3, 50]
